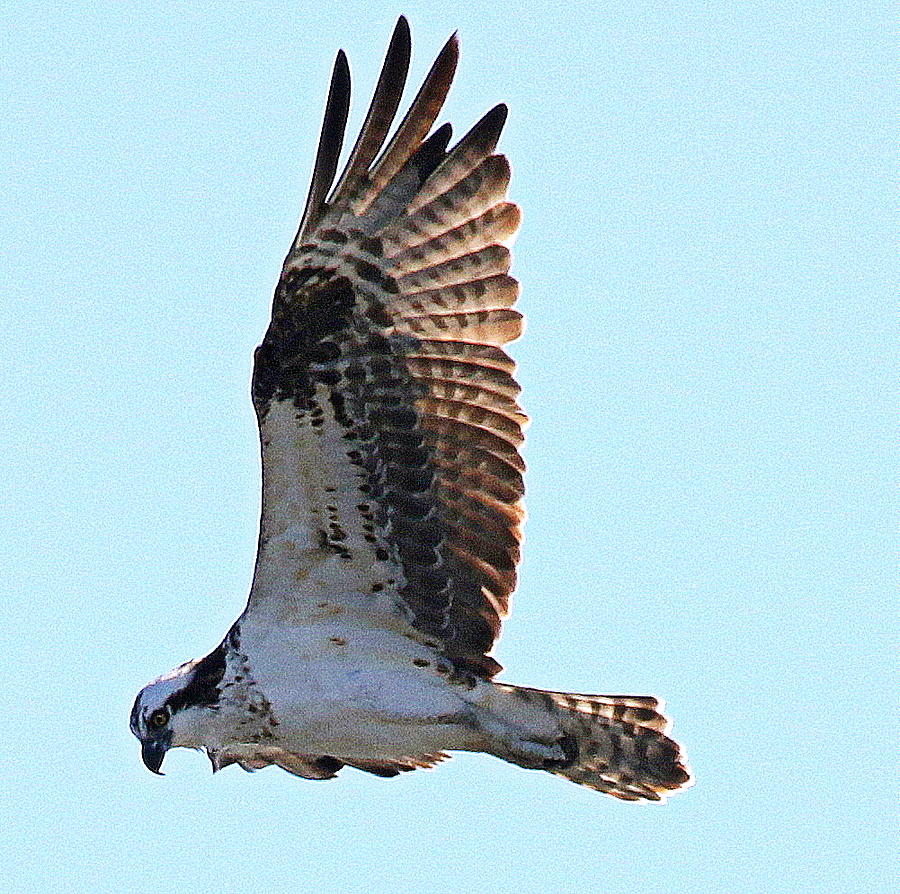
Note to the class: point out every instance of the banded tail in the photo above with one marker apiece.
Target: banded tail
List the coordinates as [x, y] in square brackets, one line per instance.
[616, 744]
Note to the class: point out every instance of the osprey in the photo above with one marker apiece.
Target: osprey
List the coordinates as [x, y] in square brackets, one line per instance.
[392, 486]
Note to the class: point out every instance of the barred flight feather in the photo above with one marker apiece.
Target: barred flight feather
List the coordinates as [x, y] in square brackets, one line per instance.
[475, 146]
[479, 395]
[468, 199]
[463, 268]
[461, 350]
[496, 225]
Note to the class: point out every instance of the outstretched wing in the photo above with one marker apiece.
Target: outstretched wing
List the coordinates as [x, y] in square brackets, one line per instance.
[390, 429]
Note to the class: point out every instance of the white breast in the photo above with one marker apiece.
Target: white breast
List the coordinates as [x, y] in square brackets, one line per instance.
[350, 691]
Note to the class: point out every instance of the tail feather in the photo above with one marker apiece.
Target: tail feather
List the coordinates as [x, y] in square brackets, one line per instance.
[616, 744]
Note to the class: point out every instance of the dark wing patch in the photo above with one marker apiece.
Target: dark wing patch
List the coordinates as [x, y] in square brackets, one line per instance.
[311, 310]
[387, 406]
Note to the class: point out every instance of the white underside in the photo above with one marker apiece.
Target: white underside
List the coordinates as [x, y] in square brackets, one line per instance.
[352, 692]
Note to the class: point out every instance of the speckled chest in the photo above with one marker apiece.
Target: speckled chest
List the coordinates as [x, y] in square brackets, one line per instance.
[245, 712]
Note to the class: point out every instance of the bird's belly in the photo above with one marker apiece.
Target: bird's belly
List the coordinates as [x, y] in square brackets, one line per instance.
[363, 694]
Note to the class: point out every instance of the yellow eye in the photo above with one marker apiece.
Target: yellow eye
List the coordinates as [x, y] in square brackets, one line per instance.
[159, 718]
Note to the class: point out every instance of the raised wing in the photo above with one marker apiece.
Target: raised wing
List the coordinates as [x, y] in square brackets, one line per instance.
[390, 429]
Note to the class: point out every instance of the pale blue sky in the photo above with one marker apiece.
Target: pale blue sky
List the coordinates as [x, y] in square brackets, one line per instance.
[707, 278]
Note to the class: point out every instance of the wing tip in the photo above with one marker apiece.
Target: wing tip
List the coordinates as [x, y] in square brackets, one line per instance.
[500, 111]
[449, 54]
[402, 26]
[340, 72]
[401, 39]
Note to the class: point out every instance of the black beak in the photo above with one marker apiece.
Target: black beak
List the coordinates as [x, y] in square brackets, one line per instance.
[152, 753]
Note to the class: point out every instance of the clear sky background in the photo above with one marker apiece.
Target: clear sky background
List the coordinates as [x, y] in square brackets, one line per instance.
[708, 283]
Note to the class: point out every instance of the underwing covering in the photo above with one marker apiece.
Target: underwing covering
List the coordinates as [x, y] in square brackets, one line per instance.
[387, 406]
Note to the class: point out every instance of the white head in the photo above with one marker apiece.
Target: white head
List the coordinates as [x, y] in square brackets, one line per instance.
[175, 709]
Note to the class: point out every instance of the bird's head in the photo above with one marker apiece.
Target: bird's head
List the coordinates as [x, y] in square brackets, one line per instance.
[177, 708]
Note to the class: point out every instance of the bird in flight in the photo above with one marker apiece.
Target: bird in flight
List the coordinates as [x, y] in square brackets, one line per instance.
[392, 486]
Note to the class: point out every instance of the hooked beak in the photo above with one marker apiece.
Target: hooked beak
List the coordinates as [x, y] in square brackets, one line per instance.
[152, 753]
